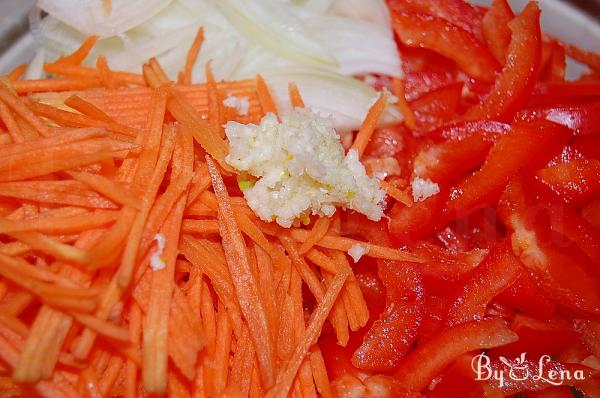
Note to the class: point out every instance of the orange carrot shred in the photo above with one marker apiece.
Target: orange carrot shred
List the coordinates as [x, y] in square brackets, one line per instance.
[17, 72]
[79, 55]
[295, 98]
[243, 280]
[264, 96]
[403, 106]
[398, 194]
[192, 55]
[17, 105]
[369, 124]
[318, 230]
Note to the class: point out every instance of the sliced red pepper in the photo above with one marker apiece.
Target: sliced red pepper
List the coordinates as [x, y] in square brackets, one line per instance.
[526, 296]
[458, 12]
[590, 59]
[386, 141]
[555, 62]
[564, 272]
[552, 392]
[436, 308]
[424, 71]
[497, 272]
[564, 91]
[486, 129]
[537, 338]
[451, 41]
[410, 224]
[577, 181]
[518, 77]
[588, 145]
[434, 107]
[591, 213]
[426, 361]
[590, 334]
[584, 119]
[526, 146]
[393, 334]
[495, 28]
[458, 381]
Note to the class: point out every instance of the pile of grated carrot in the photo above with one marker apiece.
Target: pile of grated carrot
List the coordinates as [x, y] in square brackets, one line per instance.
[94, 165]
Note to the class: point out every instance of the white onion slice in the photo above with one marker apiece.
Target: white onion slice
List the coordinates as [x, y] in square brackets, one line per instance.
[90, 18]
[375, 11]
[346, 99]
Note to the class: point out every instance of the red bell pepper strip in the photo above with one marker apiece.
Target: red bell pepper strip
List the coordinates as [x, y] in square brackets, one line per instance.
[590, 334]
[587, 145]
[458, 381]
[486, 129]
[563, 91]
[552, 392]
[410, 224]
[394, 333]
[526, 296]
[591, 213]
[590, 59]
[426, 361]
[436, 308]
[495, 28]
[526, 146]
[563, 271]
[497, 272]
[386, 141]
[457, 12]
[516, 81]
[555, 62]
[538, 337]
[451, 41]
[434, 107]
[583, 119]
[577, 181]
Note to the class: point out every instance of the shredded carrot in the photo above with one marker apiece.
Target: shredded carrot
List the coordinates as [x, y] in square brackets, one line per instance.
[17, 105]
[9, 121]
[17, 72]
[192, 55]
[317, 319]
[264, 96]
[243, 280]
[367, 128]
[107, 6]
[79, 55]
[87, 108]
[214, 102]
[70, 70]
[56, 84]
[403, 106]
[295, 98]
[398, 194]
[319, 229]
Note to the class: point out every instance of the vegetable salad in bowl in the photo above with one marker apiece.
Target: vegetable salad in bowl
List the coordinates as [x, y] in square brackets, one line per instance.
[334, 198]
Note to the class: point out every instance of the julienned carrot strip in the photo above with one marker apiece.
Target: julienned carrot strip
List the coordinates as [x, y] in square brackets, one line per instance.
[110, 375]
[109, 248]
[589, 58]
[401, 196]
[338, 316]
[159, 71]
[85, 72]
[214, 102]
[402, 105]
[209, 322]
[312, 333]
[242, 364]
[53, 247]
[354, 299]
[135, 334]
[245, 285]
[87, 108]
[267, 286]
[71, 119]
[319, 229]
[344, 244]
[319, 372]
[209, 139]
[17, 105]
[264, 97]
[212, 264]
[79, 55]
[17, 72]
[104, 73]
[14, 324]
[104, 328]
[56, 84]
[154, 344]
[5, 139]
[150, 76]
[58, 225]
[200, 226]
[64, 192]
[192, 55]
[107, 187]
[369, 124]
[295, 98]
[148, 177]
[11, 124]
[69, 136]
[220, 360]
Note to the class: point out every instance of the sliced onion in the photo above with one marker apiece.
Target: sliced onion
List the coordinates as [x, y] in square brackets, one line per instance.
[275, 26]
[375, 11]
[361, 47]
[90, 18]
[35, 69]
[345, 98]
